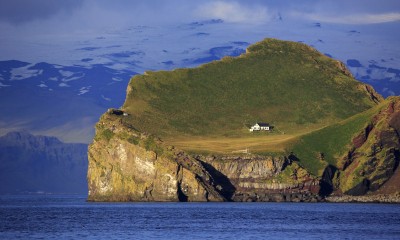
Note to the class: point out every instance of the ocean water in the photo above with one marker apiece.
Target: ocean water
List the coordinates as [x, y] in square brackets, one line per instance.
[71, 217]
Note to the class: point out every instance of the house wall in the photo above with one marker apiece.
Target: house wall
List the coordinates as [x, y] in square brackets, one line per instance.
[258, 128]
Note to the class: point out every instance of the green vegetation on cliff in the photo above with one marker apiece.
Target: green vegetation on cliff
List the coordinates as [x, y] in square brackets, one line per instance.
[320, 148]
[285, 83]
[365, 148]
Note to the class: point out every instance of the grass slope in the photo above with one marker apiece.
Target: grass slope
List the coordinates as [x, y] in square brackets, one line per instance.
[288, 84]
[334, 141]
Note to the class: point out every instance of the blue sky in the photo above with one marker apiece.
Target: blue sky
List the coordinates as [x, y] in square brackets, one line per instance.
[31, 27]
[119, 11]
[48, 16]
[126, 37]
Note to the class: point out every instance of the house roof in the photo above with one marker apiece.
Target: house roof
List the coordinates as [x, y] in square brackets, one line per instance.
[261, 124]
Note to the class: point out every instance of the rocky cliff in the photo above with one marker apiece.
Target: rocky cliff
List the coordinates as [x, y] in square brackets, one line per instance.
[375, 154]
[126, 165]
[262, 178]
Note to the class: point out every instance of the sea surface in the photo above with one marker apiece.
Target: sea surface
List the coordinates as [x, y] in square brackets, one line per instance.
[71, 217]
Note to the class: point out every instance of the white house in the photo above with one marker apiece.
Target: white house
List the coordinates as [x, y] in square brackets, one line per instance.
[260, 127]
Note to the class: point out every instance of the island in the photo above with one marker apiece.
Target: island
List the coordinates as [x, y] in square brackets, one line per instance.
[183, 135]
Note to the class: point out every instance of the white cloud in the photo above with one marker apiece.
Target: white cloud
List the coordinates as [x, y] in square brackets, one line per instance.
[234, 12]
[355, 18]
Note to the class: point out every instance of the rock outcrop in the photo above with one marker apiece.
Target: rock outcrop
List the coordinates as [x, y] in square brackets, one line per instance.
[262, 178]
[375, 155]
[125, 165]
[378, 198]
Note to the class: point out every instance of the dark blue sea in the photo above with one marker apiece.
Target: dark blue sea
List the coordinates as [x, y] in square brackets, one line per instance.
[71, 217]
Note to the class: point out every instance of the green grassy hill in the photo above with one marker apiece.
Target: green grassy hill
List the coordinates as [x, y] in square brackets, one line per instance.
[288, 84]
[333, 141]
[363, 148]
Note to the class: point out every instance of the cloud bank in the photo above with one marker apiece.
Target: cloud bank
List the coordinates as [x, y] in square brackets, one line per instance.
[234, 12]
[72, 18]
[358, 19]
[89, 14]
[25, 11]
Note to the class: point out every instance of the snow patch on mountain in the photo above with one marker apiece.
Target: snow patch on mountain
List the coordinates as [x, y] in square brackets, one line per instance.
[105, 98]
[25, 72]
[84, 90]
[66, 74]
[74, 77]
[4, 85]
[63, 85]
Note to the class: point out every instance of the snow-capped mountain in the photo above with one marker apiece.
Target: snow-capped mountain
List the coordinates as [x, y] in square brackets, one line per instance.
[58, 100]
[39, 164]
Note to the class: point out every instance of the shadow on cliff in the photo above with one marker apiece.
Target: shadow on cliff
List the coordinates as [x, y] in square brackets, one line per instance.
[369, 185]
[327, 181]
[220, 179]
[181, 196]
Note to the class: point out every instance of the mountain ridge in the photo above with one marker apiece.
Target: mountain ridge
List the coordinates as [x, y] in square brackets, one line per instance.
[41, 164]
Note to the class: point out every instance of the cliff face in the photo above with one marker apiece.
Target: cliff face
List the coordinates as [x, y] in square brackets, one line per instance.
[375, 155]
[263, 178]
[125, 165]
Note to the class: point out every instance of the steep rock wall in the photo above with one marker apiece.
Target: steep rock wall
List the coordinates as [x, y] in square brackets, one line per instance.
[375, 155]
[125, 165]
[263, 178]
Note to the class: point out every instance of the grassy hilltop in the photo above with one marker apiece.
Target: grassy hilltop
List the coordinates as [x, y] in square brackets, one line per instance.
[288, 84]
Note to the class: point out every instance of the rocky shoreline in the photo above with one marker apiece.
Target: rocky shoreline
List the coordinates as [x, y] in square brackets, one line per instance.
[379, 198]
[277, 197]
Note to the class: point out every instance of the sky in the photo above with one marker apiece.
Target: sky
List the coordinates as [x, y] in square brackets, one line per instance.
[26, 11]
[75, 16]
[136, 36]
[27, 25]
